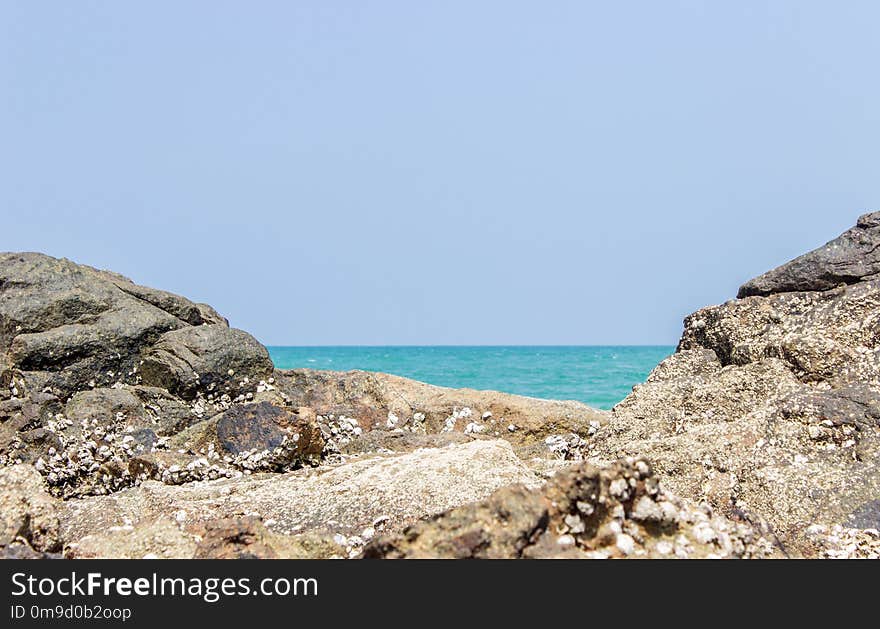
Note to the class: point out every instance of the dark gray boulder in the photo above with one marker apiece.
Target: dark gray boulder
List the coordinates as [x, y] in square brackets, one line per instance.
[850, 258]
[68, 327]
[210, 358]
[96, 370]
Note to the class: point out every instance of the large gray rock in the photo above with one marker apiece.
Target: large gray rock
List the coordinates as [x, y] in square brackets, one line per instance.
[208, 359]
[769, 409]
[850, 258]
[96, 370]
[69, 327]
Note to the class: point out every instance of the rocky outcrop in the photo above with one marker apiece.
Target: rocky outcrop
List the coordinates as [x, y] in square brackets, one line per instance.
[67, 327]
[852, 257]
[769, 409]
[345, 500]
[582, 513]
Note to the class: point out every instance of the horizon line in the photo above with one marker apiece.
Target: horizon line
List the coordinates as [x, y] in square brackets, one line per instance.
[489, 345]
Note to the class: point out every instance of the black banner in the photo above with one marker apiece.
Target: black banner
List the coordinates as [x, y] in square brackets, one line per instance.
[144, 593]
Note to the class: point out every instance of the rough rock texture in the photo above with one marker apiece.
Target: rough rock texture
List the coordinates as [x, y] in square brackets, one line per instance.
[393, 405]
[584, 512]
[28, 514]
[248, 538]
[850, 258]
[98, 375]
[68, 327]
[224, 538]
[769, 409]
[346, 499]
[205, 358]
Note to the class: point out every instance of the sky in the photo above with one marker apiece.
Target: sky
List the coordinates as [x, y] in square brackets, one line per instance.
[460, 172]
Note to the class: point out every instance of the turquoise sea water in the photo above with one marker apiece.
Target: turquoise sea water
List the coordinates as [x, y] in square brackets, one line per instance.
[600, 376]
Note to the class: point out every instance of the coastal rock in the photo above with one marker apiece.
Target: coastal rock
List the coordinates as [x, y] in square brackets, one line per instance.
[69, 327]
[391, 404]
[255, 436]
[251, 427]
[852, 257]
[223, 538]
[162, 538]
[248, 538]
[209, 358]
[768, 410]
[584, 512]
[28, 514]
[389, 491]
[98, 374]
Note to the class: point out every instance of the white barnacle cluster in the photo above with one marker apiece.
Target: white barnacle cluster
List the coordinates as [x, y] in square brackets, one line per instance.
[568, 447]
[457, 413]
[636, 518]
[474, 428]
[392, 421]
[414, 424]
[213, 399]
[266, 385]
[354, 544]
[92, 461]
[337, 430]
[840, 542]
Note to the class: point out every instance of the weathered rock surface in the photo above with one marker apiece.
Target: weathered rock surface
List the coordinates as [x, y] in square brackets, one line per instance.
[392, 405]
[68, 327]
[98, 374]
[852, 257]
[769, 409]
[28, 514]
[225, 538]
[388, 491]
[584, 512]
[205, 358]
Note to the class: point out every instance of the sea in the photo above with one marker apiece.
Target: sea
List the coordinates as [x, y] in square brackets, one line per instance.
[600, 376]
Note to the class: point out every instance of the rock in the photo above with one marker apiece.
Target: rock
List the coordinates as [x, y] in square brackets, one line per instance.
[248, 538]
[69, 327]
[583, 512]
[235, 538]
[259, 437]
[162, 538]
[225, 538]
[374, 400]
[22, 436]
[167, 414]
[250, 427]
[28, 514]
[769, 409]
[105, 406]
[22, 551]
[394, 441]
[848, 259]
[345, 499]
[822, 336]
[210, 359]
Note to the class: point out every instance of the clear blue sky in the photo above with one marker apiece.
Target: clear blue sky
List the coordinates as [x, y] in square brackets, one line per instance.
[471, 172]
